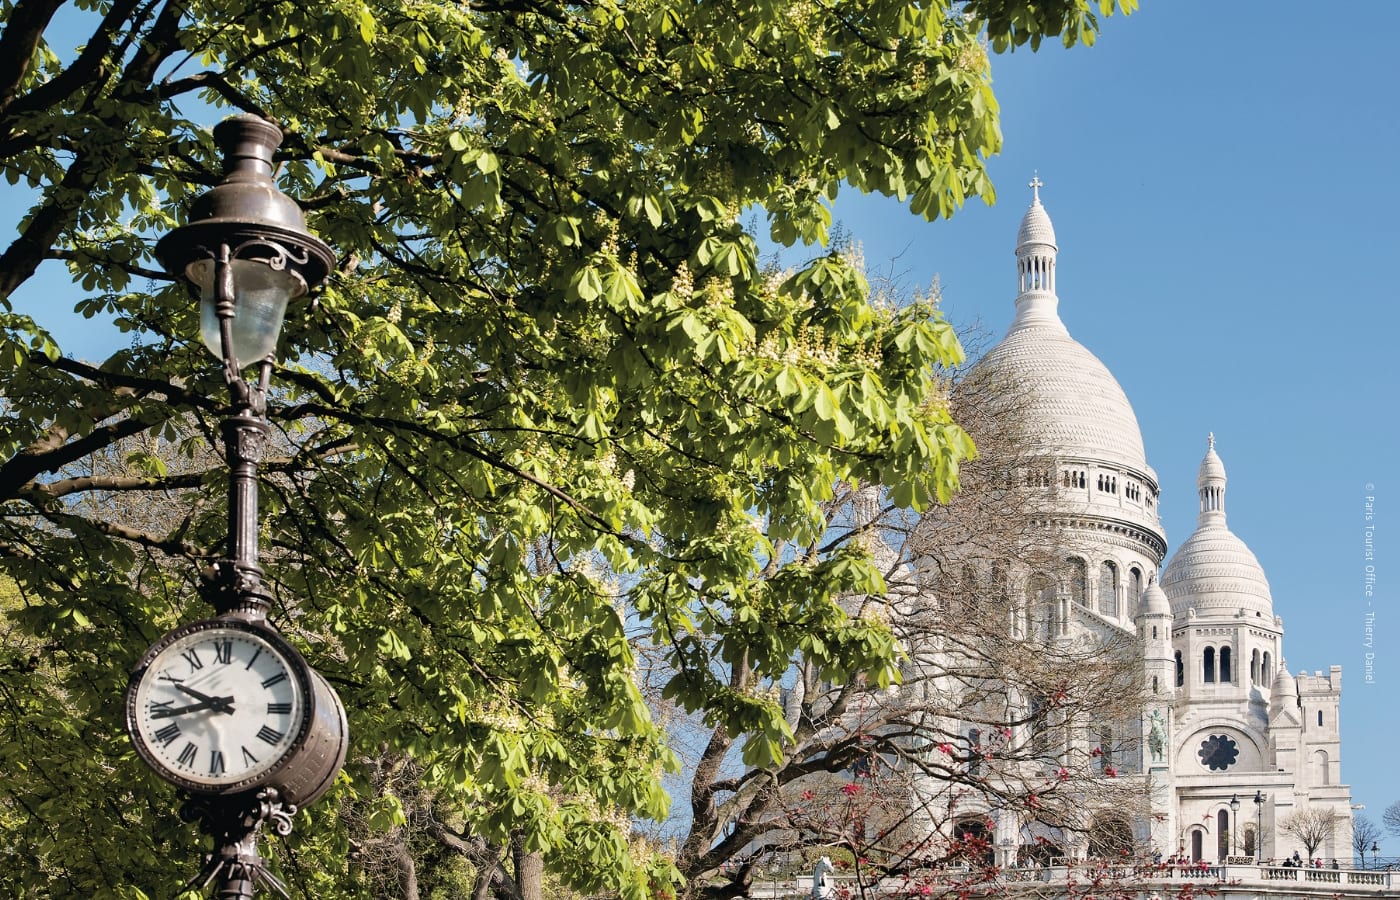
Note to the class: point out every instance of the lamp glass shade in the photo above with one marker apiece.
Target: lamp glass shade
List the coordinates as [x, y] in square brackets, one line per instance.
[260, 296]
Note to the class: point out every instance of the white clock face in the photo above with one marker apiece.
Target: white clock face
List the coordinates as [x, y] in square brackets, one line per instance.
[218, 706]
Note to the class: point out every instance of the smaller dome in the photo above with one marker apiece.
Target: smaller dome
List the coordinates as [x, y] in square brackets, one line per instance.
[1212, 470]
[1285, 689]
[1036, 227]
[1214, 571]
[1154, 601]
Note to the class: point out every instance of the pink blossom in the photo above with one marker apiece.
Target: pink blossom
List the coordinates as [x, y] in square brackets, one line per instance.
[850, 790]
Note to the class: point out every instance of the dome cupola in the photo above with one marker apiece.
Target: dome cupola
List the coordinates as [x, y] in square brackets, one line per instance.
[1154, 601]
[1214, 572]
[1285, 690]
[1075, 406]
[1035, 266]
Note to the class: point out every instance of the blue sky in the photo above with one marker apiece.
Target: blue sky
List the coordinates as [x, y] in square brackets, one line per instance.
[1223, 182]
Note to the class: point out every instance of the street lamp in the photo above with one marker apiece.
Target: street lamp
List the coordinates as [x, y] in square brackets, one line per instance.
[1258, 825]
[1234, 824]
[225, 708]
[1375, 859]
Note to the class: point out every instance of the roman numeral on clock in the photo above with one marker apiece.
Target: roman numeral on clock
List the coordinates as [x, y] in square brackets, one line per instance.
[192, 657]
[188, 754]
[279, 709]
[275, 679]
[223, 652]
[269, 735]
[248, 758]
[216, 762]
[168, 734]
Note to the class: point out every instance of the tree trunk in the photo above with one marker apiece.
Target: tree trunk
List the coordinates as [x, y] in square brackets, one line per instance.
[529, 871]
[408, 872]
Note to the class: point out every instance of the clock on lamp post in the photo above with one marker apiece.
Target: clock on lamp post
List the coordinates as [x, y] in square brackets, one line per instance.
[225, 708]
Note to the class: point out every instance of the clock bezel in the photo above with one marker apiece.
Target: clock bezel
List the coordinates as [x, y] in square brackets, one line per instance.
[301, 675]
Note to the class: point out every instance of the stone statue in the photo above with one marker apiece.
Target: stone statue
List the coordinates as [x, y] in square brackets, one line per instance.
[1157, 737]
[819, 878]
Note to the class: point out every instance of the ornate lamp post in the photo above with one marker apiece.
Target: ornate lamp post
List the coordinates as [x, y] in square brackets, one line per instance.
[1375, 857]
[1234, 824]
[1258, 825]
[225, 708]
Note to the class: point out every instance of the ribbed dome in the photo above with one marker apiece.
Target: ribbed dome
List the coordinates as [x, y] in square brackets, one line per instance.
[1213, 571]
[1073, 402]
[1036, 227]
[1212, 469]
[1154, 601]
[1285, 688]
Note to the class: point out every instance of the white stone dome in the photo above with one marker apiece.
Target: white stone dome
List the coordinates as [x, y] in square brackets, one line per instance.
[1067, 415]
[1154, 601]
[1073, 403]
[1214, 572]
[1036, 227]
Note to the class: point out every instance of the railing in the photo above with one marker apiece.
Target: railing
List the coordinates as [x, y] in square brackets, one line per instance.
[1357, 881]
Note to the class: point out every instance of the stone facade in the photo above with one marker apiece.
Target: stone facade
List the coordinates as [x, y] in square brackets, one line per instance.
[1232, 744]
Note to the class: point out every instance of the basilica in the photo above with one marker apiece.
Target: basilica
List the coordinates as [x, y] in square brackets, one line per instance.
[1234, 748]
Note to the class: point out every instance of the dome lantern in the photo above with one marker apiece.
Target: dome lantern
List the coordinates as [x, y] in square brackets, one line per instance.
[1035, 264]
[1210, 483]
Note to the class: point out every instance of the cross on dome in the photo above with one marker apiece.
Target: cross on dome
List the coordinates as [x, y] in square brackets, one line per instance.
[1036, 184]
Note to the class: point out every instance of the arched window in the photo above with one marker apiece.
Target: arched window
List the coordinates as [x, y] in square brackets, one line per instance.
[1180, 670]
[1197, 844]
[1222, 834]
[1111, 837]
[1209, 665]
[1254, 668]
[969, 584]
[1319, 718]
[1042, 603]
[1106, 755]
[974, 751]
[1225, 666]
[1266, 674]
[1108, 589]
[1249, 840]
[1321, 775]
[975, 842]
[1134, 586]
[1040, 740]
[1078, 578]
[1154, 684]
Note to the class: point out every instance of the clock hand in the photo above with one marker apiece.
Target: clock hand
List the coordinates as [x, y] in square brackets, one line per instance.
[196, 694]
[218, 704]
[221, 704]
